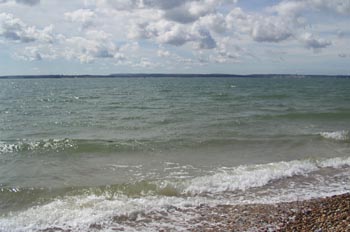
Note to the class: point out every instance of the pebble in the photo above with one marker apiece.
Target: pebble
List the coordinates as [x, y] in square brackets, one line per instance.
[331, 214]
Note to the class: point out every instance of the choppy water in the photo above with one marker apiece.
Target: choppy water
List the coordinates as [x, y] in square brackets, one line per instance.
[79, 152]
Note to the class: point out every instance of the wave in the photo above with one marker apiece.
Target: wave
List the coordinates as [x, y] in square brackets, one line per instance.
[336, 135]
[39, 145]
[154, 144]
[223, 179]
[342, 115]
[80, 208]
[252, 176]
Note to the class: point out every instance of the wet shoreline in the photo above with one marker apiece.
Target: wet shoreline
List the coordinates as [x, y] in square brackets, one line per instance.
[320, 214]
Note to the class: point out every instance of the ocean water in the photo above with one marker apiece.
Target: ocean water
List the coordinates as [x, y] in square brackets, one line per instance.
[77, 154]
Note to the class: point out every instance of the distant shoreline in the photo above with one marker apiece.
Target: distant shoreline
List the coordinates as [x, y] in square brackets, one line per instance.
[164, 75]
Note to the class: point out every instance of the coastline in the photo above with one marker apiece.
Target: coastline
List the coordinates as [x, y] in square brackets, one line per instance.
[319, 214]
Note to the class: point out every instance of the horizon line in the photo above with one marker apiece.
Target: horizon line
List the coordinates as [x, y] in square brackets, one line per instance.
[126, 75]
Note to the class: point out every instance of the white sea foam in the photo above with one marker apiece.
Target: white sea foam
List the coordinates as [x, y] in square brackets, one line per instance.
[40, 145]
[8, 148]
[336, 135]
[251, 176]
[245, 177]
[77, 213]
[336, 162]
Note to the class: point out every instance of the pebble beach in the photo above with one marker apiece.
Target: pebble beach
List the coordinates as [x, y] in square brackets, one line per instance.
[322, 214]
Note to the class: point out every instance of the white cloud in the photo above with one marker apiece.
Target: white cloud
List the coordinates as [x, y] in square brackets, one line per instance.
[214, 22]
[145, 63]
[119, 58]
[167, 32]
[260, 28]
[204, 40]
[37, 53]
[95, 44]
[270, 29]
[132, 47]
[339, 6]
[83, 16]
[14, 29]
[311, 42]
[196, 32]
[227, 52]
[289, 8]
[296, 7]
[191, 11]
[163, 53]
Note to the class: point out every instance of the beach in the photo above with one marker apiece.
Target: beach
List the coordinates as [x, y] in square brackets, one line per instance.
[321, 214]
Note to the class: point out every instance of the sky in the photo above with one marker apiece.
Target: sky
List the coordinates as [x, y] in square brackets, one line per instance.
[40, 37]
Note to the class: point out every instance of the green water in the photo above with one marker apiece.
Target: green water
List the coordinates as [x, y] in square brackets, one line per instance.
[141, 137]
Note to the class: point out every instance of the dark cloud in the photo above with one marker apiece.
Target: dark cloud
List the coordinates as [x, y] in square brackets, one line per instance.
[25, 2]
[180, 14]
[165, 5]
[28, 2]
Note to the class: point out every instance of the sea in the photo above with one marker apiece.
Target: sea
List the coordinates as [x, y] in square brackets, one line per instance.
[102, 154]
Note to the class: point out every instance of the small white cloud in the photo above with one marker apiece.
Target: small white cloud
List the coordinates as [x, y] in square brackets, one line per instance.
[340, 34]
[295, 7]
[37, 53]
[311, 42]
[173, 34]
[289, 8]
[119, 57]
[83, 16]
[118, 4]
[145, 63]
[270, 30]
[163, 53]
[130, 47]
[339, 6]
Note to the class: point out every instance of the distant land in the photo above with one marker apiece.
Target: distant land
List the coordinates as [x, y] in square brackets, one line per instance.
[163, 75]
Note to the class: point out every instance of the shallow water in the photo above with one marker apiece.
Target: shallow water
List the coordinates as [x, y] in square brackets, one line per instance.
[74, 152]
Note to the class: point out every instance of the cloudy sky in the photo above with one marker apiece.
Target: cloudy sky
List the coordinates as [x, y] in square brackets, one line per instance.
[174, 36]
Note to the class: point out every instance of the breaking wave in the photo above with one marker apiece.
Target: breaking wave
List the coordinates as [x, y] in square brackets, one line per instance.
[252, 176]
[151, 145]
[40, 145]
[106, 205]
[336, 135]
